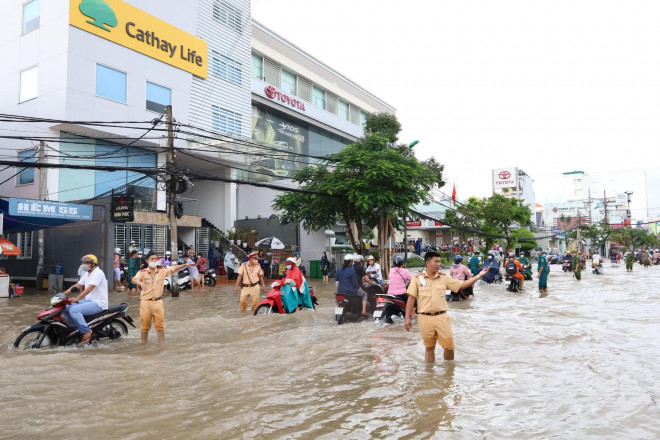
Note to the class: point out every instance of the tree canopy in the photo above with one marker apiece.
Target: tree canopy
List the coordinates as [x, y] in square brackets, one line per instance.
[371, 182]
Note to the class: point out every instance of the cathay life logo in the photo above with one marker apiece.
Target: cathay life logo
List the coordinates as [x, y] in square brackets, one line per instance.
[100, 12]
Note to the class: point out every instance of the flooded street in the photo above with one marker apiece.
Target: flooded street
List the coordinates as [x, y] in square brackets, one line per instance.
[579, 363]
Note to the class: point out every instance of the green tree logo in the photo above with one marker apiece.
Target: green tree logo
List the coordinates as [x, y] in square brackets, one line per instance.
[100, 12]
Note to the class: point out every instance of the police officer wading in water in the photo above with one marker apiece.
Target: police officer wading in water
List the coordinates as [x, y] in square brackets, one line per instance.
[429, 288]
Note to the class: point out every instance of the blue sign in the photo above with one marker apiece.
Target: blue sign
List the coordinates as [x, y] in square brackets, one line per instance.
[47, 209]
[555, 229]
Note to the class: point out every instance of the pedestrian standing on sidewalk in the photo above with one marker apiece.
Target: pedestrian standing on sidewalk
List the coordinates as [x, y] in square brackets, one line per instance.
[152, 283]
[251, 280]
[201, 267]
[325, 267]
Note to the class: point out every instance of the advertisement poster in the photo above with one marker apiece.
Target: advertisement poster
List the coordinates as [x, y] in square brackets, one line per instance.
[290, 138]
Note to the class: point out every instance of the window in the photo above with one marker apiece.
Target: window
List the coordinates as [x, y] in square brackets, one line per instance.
[24, 243]
[26, 175]
[363, 119]
[28, 86]
[110, 83]
[31, 12]
[225, 121]
[226, 68]
[158, 97]
[288, 83]
[318, 96]
[343, 110]
[228, 14]
[257, 67]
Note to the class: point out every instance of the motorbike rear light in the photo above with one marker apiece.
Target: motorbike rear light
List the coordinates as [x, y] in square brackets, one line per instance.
[380, 299]
[339, 297]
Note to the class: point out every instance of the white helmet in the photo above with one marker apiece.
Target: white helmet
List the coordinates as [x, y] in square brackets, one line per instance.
[348, 257]
[168, 253]
[292, 260]
[117, 250]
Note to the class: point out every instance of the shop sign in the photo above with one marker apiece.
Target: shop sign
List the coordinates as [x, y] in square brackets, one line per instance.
[128, 26]
[505, 178]
[276, 95]
[48, 209]
[121, 209]
[413, 223]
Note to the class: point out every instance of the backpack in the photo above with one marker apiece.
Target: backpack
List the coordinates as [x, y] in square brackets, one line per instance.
[511, 268]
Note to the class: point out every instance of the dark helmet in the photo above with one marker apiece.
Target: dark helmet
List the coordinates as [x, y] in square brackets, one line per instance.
[398, 261]
[458, 258]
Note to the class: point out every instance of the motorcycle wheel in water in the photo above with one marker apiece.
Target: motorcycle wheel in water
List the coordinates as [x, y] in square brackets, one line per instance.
[513, 285]
[389, 308]
[52, 330]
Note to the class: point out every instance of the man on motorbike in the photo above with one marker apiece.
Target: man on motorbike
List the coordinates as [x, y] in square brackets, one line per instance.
[347, 282]
[299, 294]
[373, 270]
[517, 269]
[459, 271]
[527, 266]
[399, 278]
[493, 267]
[91, 300]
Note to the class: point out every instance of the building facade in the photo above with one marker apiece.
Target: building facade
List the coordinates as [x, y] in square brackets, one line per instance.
[249, 106]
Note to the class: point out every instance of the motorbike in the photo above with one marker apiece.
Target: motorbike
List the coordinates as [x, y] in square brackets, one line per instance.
[566, 266]
[596, 268]
[348, 307]
[52, 329]
[513, 285]
[123, 270]
[210, 277]
[183, 281]
[273, 301]
[390, 308]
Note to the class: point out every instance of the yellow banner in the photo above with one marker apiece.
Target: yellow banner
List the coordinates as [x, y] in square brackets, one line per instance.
[131, 27]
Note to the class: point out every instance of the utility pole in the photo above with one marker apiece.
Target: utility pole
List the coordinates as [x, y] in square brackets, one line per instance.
[40, 233]
[578, 232]
[605, 206]
[169, 166]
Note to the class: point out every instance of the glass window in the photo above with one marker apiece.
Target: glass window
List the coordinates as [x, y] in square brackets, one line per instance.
[31, 13]
[26, 175]
[110, 83]
[226, 121]
[343, 110]
[226, 68]
[319, 97]
[288, 83]
[257, 67]
[228, 14]
[363, 119]
[29, 82]
[158, 97]
[24, 243]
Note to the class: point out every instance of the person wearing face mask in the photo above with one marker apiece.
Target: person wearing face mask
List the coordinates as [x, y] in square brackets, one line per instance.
[250, 278]
[298, 296]
[93, 297]
[494, 269]
[152, 283]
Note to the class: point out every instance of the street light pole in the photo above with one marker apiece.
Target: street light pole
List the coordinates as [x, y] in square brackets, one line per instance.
[169, 166]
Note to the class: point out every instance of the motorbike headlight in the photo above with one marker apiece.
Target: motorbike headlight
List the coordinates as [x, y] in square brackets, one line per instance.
[273, 284]
[54, 300]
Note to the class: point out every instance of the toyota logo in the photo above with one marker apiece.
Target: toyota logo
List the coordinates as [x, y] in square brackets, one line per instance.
[270, 91]
[503, 174]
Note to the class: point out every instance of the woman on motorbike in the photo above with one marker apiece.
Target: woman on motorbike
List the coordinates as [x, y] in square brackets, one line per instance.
[346, 281]
[399, 279]
[459, 271]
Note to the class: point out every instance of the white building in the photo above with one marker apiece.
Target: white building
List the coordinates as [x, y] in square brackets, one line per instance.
[221, 73]
[515, 183]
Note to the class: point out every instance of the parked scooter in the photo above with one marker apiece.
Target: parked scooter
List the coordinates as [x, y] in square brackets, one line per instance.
[349, 307]
[273, 301]
[210, 277]
[183, 281]
[53, 330]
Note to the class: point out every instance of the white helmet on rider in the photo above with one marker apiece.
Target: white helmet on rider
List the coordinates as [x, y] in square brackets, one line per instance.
[348, 257]
[292, 260]
[117, 250]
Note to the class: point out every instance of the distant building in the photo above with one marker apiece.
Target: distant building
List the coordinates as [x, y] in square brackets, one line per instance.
[514, 182]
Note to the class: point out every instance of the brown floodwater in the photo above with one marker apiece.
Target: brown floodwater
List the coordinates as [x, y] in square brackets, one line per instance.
[579, 363]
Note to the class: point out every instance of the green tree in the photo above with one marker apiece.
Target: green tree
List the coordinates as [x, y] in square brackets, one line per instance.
[524, 238]
[371, 182]
[501, 214]
[598, 234]
[634, 238]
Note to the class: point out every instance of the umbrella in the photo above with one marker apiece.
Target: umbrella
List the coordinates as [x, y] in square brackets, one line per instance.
[272, 243]
[8, 248]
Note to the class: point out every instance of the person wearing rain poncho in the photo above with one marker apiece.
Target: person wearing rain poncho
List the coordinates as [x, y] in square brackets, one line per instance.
[295, 292]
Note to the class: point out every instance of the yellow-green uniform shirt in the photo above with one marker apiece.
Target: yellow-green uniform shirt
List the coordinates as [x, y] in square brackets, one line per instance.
[153, 286]
[431, 297]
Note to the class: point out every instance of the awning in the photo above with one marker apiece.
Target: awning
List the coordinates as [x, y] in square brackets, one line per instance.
[16, 223]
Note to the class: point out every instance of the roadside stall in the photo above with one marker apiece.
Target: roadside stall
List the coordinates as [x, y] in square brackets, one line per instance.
[7, 248]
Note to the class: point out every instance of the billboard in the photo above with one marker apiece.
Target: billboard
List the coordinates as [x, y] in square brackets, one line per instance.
[505, 178]
[289, 137]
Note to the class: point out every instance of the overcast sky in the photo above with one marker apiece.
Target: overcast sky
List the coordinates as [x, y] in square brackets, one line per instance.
[547, 86]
